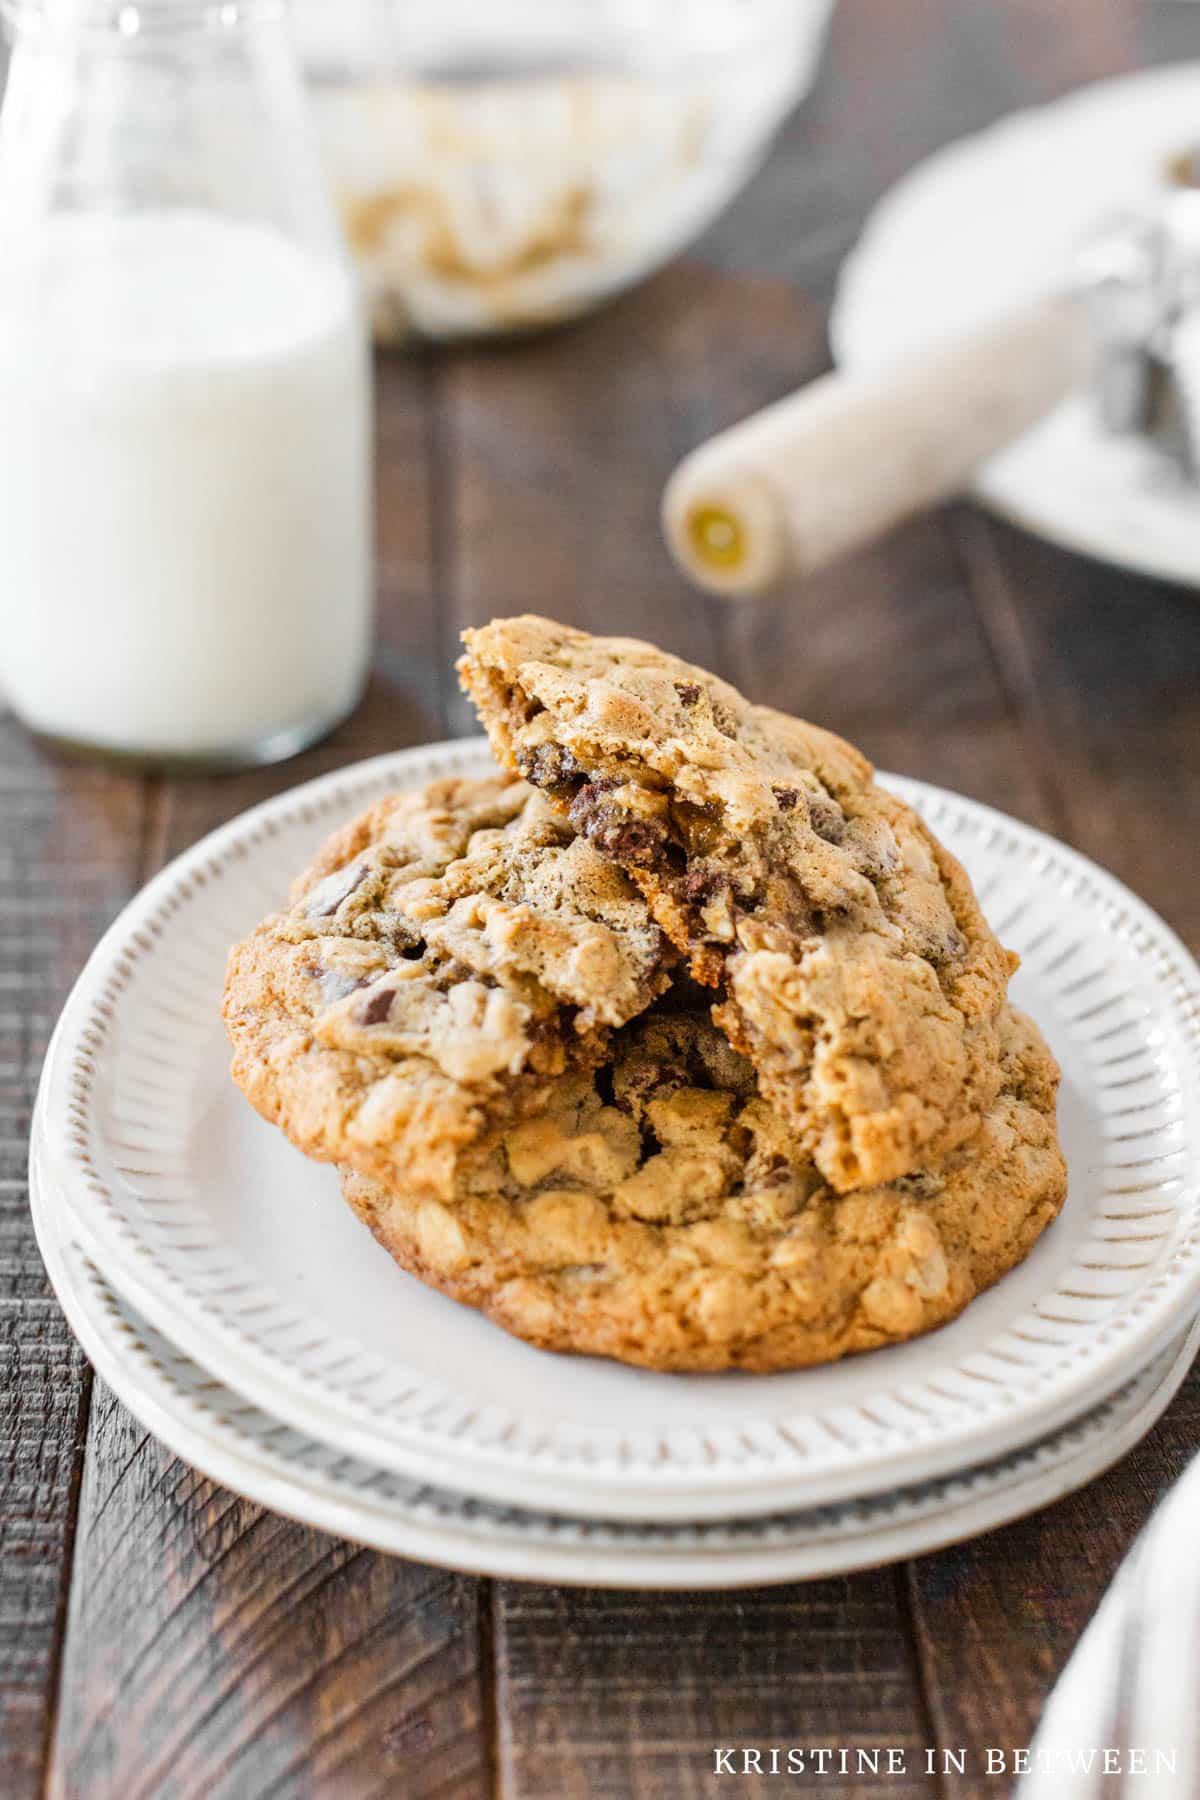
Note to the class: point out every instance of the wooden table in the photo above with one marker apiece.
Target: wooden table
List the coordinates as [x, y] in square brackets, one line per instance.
[162, 1637]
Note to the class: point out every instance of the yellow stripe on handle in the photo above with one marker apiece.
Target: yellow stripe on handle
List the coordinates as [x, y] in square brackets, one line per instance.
[838, 463]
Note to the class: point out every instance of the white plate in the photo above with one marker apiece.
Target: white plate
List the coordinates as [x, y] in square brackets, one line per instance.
[992, 221]
[223, 1236]
[236, 1444]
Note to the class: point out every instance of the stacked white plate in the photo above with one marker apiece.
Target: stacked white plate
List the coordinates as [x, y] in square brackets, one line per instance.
[243, 1314]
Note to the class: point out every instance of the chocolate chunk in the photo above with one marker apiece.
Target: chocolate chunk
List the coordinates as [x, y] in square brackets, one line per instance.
[827, 818]
[550, 767]
[330, 894]
[700, 884]
[612, 830]
[787, 797]
[641, 1081]
[375, 1010]
[630, 841]
[600, 784]
[688, 692]
[335, 984]
[725, 721]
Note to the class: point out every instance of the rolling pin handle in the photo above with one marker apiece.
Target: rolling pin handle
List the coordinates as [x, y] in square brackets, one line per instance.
[835, 465]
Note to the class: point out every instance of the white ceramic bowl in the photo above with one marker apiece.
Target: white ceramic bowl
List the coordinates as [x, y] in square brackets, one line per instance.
[502, 167]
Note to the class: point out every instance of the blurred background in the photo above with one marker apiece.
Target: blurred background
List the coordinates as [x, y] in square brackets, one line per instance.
[591, 236]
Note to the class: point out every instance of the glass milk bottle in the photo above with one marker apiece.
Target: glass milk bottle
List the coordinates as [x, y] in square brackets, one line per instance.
[184, 390]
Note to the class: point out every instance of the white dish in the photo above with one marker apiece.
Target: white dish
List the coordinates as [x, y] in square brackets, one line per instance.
[236, 1444]
[990, 222]
[503, 167]
[227, 1239]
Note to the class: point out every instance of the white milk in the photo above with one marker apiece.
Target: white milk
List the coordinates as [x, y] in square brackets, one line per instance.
[184, 485]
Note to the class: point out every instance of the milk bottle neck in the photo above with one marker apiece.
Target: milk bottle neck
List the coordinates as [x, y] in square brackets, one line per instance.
[119, 106]
[130, 23]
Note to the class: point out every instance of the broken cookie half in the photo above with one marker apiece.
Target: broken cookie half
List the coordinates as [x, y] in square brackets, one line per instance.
[450, 956]
[856, 969]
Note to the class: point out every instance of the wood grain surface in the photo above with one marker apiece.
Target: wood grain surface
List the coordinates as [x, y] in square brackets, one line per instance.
[162, 1637]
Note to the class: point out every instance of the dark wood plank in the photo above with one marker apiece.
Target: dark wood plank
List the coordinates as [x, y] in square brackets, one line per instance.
[895, 84]
[69, 856]
[212, 1648]
[1167, 32]
[554, 451]
[627, 1697]
[998, 1617]
[1054, 48]
[216, 1649]
[1106, 667]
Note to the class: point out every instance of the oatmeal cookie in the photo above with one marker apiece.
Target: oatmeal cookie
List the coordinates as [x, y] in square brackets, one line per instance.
[657, 1211]
[449, 956]
[859, 974]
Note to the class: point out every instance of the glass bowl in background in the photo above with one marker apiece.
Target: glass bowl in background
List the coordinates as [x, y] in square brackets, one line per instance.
[503, 166]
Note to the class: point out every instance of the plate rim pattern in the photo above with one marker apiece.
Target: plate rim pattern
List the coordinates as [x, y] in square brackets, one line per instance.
[232, 1442]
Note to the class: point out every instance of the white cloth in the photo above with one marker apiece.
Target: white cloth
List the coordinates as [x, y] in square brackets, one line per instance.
[1132, 1686]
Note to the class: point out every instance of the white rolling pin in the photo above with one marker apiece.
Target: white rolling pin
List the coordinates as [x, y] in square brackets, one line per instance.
[836, 464]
